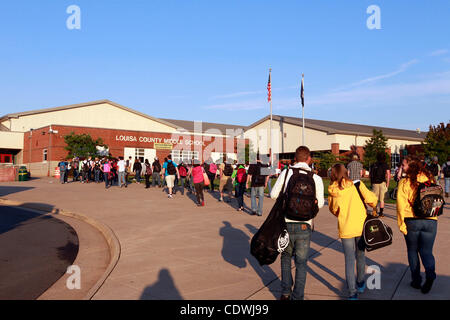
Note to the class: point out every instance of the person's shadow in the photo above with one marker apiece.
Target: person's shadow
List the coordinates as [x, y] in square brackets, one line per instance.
[164, 288]
[236, 251]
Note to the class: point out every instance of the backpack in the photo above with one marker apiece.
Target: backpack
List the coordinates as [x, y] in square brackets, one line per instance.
[241, 175]
[171, 168]
[376, 234]
[157, 166]
[446, 171]
[434, 169]
[429, 201]
[62, 166]
[377, 173]
[148, 170]
[301, 203]
[213, 168]
[228, 170]
[272, 237]
[86, 166]
[182, 170]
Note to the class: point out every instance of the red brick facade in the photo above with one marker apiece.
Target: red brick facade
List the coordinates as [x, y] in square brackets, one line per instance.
[40, 140]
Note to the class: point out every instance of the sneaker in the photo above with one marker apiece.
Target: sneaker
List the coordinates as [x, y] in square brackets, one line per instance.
[427, 286]
[353, 297]
[285, 297]
[221, 199]
[170, 196]
[361, 287]
[203, 203]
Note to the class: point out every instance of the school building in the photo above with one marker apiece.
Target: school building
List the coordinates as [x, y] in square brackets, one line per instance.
[35, 139]
[335, 137]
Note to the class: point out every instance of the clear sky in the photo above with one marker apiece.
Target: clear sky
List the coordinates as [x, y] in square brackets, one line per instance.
[209, 60]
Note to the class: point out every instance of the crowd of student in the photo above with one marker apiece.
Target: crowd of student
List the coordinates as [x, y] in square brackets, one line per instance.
[348, 197]
[193, 176]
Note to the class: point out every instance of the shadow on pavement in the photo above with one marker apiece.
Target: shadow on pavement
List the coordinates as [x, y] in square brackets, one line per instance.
[236, 251]
[164, 288]
[6, 190]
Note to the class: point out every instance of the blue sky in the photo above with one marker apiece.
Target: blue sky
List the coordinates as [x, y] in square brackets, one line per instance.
[208, 60]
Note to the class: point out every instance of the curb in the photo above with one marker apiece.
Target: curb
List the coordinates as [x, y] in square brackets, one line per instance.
[106, 231]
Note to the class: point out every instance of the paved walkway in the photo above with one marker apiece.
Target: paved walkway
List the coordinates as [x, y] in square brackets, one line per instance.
[172, 249]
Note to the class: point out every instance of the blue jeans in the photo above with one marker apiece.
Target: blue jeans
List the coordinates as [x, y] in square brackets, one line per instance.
[122, 181]
[97, 175]
[240, 189]
[62, 174]
[420, 241]
[257, 192]
[138, 176]
[299, 242]
[75, 175]
[352, 252]
[107, 181]
[182, 181]
[156, 177]
[447, 185]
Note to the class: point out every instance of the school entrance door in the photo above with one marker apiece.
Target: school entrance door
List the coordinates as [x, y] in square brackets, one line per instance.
[140, 153]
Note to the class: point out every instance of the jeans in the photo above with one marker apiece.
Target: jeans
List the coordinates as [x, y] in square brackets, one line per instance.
[211, 177]
[122, 181]
[62, 175]
[107, 181]
[420, 241]
[240, 189]
[156, 177]
[147, 181]
[299, 242]
[257, 192]
[447, 185]
[354, 251]
[75, 175]
[138, 176]
[97, 175]
[182, 180]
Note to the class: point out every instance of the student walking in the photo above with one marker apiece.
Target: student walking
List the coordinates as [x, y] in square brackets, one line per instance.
[211, 172]
[107, 173]
[147, 173]
[299, 231]
[85, 171]
[156, 175]
[346, 204]
[97, 170]
[240, 180]
[137, 168]
[75, 166]
[258, 180]
[169, 171]
[62, 170]
[446, 174]
[121, 165]
[420, 233]
[355, 168]
[226, 170]
[380, 175]
[196, 174]
[182, 169]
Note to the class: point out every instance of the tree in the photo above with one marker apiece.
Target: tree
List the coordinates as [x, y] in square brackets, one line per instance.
[326, 160]
[82, 145]
[437, 142]
[376, 144]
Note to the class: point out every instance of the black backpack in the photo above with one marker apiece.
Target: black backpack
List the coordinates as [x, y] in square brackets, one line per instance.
[377, 173]
[434, 169]
[157, 166]
[301, 202]
[272, 237]
[228, 170]
[429, 201]
[376, 234]
[171, 168]
[446, 171]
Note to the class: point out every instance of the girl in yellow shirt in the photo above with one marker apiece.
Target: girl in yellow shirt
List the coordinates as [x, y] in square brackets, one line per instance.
[346, 204]
[419, 233]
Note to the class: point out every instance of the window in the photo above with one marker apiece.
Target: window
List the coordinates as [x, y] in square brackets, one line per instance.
[139, 154]
[186, 156]
[45, 155]
[395, 160]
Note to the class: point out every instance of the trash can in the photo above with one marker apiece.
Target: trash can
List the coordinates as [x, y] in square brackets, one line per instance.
[23, 174]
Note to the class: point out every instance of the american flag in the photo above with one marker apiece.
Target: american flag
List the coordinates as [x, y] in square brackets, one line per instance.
[269, 90]
[302, 93]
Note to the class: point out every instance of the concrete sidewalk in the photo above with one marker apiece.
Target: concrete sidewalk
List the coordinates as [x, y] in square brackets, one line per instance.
[172, 249]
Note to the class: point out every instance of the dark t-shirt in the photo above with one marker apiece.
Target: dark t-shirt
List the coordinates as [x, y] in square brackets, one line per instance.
[378, 172]
[259, 173]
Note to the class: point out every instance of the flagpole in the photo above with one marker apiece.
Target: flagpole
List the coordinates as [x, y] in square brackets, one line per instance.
[303, 111]
[270, 150]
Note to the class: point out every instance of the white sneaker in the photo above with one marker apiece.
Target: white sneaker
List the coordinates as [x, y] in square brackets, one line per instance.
[170, 196]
